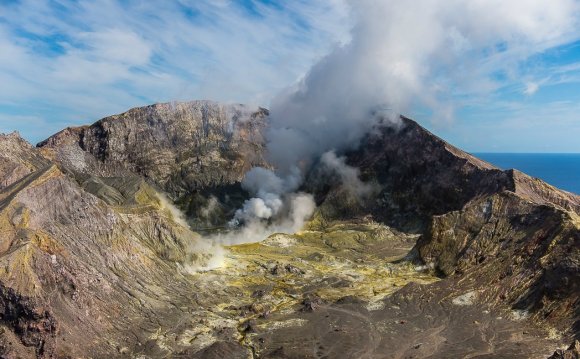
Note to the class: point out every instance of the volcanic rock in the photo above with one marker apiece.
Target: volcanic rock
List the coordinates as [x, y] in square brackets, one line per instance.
[95, 259]
[573, 352]
[195, 151]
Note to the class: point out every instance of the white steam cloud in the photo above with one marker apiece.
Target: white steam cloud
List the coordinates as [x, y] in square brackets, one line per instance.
[258, 221]
[267, 189]
[349, 176]
[411, 54]
[200, 254]
[402, 55]
[273, 208]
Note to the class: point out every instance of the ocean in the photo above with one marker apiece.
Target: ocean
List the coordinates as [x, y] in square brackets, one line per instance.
[558, 169]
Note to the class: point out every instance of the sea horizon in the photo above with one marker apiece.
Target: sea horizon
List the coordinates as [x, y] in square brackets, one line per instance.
[561, 170]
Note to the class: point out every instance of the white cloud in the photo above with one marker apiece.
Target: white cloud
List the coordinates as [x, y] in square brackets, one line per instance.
[408, 55]
[531, 88]
[88, 59]
[76, 61]
[125, 47]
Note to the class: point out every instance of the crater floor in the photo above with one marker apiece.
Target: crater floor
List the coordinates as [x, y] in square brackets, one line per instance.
[345, 291]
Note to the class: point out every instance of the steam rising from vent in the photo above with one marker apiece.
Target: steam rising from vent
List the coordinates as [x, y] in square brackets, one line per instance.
[200, 254]
[401, 56]
[407, 55]
[274, 208]
[257, 222]
[348, 176]
[176, 215]
[267, 189]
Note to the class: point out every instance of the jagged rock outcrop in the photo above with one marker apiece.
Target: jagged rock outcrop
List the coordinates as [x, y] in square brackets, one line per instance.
[573, 352]
[518, 236]
[418, 175]
[524, 254]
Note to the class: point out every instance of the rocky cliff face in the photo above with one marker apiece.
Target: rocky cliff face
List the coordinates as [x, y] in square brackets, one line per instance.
[89, 246]
[181, 147]
[198, 151]
[516, 237]
[418, 175]
[524, 254]
[94, 261]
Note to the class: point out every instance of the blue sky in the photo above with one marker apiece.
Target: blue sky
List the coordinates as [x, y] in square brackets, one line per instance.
[71, 62]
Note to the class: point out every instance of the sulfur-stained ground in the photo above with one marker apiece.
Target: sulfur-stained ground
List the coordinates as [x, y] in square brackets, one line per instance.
[347, 291]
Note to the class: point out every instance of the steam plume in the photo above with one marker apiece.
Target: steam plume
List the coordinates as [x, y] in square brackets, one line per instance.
[407, 55]
[200, 254]
[401, 56]
[348, 176]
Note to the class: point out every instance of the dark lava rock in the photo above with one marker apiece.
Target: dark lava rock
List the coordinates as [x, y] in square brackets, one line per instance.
[35, 326]
[258, 293]
[247, 326]
[311, 303]
[293, 270]
[573, 352]
[279, 269]
[419, 175]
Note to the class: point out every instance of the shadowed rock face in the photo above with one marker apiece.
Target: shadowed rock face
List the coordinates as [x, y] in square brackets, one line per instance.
[93, 262]
[573, 352]
[419, 175]
[525, 254]
[519, 236]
